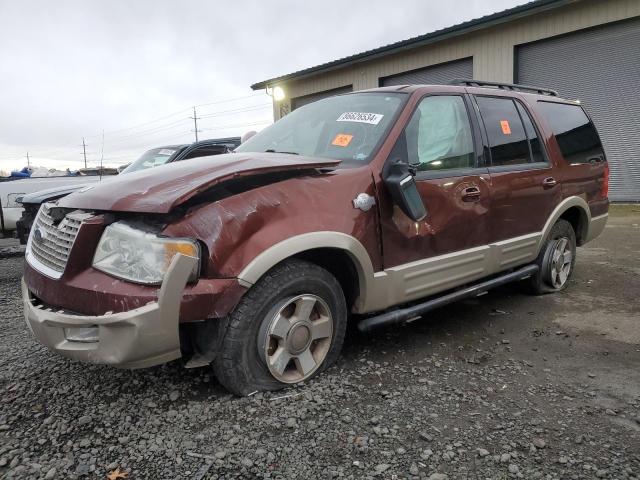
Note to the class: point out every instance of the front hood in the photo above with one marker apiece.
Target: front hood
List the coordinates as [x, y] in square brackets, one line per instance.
[160, 189]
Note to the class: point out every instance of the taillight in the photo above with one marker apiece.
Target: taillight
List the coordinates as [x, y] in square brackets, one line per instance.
[604, 189]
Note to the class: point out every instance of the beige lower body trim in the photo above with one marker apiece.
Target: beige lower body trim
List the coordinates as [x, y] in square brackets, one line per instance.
[403, 283]
[137, 338]
[422, 278]
[596, 226]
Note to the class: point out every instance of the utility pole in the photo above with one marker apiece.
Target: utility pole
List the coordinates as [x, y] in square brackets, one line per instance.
[28, 160]
[195, 123]
[84, 152]
[102, 154]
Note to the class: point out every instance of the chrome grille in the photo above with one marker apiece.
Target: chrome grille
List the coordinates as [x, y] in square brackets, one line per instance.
[50, 244]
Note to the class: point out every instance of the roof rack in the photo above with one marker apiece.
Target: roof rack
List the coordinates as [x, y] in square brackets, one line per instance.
[504, 86]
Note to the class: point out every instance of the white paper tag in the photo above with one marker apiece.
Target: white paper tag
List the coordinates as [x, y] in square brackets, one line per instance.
[361, 117]
[166, 151]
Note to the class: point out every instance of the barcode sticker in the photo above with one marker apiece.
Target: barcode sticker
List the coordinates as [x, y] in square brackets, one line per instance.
[361, 117]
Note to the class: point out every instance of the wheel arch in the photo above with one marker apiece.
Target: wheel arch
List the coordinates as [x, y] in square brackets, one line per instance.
[576, 211]
[324, 249]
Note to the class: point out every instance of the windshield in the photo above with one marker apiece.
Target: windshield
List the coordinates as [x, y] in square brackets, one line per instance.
[346, 127]
[151, 158]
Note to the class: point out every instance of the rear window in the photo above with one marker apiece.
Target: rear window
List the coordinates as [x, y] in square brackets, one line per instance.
[576, 135]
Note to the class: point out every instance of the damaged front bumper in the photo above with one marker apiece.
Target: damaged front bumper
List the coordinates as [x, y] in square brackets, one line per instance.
[138, 338]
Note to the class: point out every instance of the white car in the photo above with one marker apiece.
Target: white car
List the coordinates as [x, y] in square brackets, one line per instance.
[13, 190]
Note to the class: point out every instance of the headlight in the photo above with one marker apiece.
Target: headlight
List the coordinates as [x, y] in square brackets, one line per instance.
[140, 257]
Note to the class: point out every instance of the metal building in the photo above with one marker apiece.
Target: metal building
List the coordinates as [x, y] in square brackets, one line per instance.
[586, 49]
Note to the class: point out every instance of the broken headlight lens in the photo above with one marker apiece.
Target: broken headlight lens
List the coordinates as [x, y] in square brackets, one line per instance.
[131, 254]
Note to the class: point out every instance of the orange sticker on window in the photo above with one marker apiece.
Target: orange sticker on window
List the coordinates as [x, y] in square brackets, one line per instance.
[342, 140]
[506, 129]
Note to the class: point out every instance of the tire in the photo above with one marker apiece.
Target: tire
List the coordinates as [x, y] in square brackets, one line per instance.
[258, 340]
[553, 277]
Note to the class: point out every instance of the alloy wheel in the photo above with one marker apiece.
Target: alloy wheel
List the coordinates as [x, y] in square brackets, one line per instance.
[297, 338]
[560, 263]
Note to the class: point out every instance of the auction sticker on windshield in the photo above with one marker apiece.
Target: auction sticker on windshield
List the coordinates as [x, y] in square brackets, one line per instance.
[342, 140]
[361, 117]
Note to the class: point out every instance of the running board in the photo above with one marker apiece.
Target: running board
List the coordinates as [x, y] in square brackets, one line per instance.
[404, 314]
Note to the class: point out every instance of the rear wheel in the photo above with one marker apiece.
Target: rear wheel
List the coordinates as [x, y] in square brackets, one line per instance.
[556, 260]
[288, 328]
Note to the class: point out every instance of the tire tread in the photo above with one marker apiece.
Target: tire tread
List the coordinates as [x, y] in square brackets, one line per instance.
[232, 368]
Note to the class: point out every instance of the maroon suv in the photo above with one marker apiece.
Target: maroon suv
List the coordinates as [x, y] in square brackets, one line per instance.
[387, 202]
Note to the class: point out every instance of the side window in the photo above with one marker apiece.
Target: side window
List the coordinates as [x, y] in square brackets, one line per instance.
[439, 135]
[507, 137]
[534, 141]
[576, 135]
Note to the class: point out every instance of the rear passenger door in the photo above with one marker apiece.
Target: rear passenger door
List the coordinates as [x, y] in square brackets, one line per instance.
[524, 184]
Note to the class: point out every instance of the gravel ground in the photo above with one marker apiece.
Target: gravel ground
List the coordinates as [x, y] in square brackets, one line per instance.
[10, 247]
[504, 386]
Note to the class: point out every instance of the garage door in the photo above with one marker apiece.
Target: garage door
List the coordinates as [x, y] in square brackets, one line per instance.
[601, 68]
[439, 74]
[298, 102]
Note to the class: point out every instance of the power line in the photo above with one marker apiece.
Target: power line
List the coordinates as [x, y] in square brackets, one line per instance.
[180, 121]
[236, 111]
[226, 127]
[178, 113]
[123, 135]
[130, 132]
[152, 129]
[142, 133]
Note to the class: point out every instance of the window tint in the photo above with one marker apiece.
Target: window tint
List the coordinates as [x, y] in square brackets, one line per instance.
[439, 135]
[534, 141]
[576, 135]
[507, 138]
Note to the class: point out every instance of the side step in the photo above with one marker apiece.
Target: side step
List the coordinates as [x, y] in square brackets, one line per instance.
[404, 314]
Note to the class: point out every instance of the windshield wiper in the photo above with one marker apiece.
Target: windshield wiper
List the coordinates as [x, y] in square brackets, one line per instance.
[271, 150]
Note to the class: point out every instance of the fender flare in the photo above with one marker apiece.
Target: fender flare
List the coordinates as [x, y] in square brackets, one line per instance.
[565, 205]
[275, 254]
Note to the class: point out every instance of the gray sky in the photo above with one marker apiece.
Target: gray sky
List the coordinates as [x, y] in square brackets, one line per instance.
[70, 69]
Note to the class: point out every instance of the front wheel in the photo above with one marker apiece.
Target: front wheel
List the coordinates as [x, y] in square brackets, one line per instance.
[556, 260]
[288, 328]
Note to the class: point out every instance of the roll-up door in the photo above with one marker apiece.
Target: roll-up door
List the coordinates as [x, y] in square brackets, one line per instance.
[439, 74]
[601, 68]
[298, 102]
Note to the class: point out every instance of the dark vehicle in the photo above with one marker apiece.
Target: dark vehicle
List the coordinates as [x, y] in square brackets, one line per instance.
[151, 158]
[374, 206]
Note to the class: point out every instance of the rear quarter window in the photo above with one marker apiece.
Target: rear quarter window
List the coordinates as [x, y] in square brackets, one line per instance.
[576, 135]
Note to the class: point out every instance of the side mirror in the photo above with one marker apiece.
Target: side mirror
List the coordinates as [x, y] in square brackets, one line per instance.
[398, 178]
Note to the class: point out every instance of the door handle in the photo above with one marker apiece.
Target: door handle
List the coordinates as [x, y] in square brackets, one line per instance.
[549, 182]
[470, 194]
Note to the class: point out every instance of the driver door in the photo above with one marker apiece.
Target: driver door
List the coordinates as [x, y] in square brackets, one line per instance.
[449, 246]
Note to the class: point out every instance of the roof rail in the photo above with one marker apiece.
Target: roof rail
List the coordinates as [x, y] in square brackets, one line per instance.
[504, 86]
